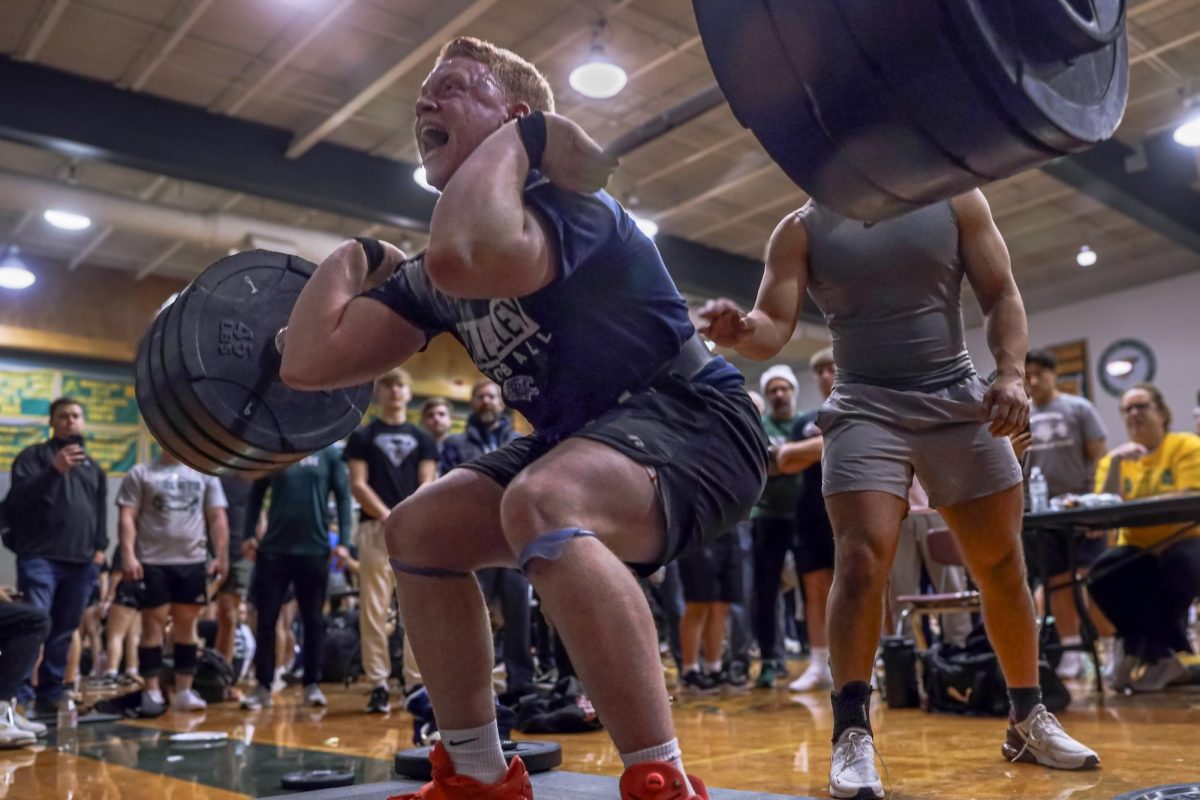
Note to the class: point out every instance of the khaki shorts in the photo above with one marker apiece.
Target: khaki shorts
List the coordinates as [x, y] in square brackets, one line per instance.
[237, 582]
[877, 438]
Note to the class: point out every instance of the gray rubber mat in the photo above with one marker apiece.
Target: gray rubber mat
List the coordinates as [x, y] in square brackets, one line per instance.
[547, 786]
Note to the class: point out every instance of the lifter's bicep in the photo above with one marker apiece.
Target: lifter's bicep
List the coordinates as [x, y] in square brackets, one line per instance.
[369, 340]
[785, 274]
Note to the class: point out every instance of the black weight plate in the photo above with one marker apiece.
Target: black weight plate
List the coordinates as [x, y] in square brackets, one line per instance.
[182, 426]
[1068, 103]
[537, 757]
[313, 779]
[1175, 791]
[1073, 26]
[226, 333]
[868, 124]
[178, 390]
[160, 428]
[767, 98]
[922, 69]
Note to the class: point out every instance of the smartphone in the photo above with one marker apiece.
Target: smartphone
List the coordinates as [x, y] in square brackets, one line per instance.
[75, 439]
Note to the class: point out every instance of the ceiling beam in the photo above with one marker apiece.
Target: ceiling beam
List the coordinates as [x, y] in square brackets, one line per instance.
[108, 230]
[193, 10]
[448, 19]
[39, 34]
[715, 191]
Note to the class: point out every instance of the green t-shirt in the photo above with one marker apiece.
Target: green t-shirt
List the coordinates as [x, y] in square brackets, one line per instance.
[297, 519]
[782, 492]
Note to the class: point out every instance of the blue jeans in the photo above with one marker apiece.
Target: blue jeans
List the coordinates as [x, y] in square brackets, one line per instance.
[61, 589]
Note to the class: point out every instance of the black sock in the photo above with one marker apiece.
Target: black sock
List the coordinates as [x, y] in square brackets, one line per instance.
[851, 708]
[185, 658]
[1024, 701]
[150, 661]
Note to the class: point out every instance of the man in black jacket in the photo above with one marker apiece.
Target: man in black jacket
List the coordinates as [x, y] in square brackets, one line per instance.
[488, 429]
[58, 514]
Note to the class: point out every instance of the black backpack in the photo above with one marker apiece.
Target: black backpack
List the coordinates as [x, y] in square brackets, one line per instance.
[214, 677]
[968, 680]
[341, 658]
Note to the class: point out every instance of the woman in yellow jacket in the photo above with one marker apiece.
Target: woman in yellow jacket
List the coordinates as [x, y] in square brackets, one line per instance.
[1148, 597]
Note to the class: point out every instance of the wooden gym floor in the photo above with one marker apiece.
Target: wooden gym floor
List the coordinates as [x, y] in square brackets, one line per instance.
[765, 741]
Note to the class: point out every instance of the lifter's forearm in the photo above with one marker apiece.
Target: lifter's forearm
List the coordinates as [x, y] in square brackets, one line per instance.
[321, 306]
[480, 216]
[1008, 335]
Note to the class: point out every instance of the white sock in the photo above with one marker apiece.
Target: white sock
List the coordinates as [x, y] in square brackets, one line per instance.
[156, 695]
[1072, 640]
[713, 667]
[690, 668]
[476, 752]
[112, 673]
[668, 752]
[820, 659]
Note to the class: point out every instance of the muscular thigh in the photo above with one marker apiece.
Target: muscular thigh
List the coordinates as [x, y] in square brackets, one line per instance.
[988, 528]
[451, 524]
[583, 483]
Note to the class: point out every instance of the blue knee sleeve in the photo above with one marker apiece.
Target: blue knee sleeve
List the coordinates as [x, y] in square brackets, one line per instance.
[549, 546]
[426, 572]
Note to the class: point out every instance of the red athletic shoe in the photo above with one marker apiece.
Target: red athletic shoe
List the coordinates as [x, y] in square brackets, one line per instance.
[446, 785]
[658, 780]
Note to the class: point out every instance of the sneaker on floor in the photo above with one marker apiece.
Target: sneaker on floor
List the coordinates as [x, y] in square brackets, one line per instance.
[9, 714]
[258, 699]
[1159, 675]
[447, 785]
[380, 701]
[1040, 739]
[152, 706]
[12, 737]
[1120, 677]
[313, 696]
[731, 681]
[1072, 665]
[696, 682]
[188, 700]
[852, 772]
[658, 780]
[768, 673]
[816, 677]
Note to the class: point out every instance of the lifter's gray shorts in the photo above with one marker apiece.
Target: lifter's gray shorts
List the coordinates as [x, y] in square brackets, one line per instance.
[876, 438]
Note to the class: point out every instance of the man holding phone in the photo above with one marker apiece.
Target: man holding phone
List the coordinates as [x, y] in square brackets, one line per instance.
[57, 511]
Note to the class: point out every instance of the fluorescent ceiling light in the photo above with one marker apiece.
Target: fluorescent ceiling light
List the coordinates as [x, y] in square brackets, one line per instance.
[1188, 133]
[646, 226]
[1087, 257]
[598, 78]
[14, 274]
[66, 220]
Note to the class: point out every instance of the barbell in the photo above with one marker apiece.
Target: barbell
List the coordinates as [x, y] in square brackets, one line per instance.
[873, 108]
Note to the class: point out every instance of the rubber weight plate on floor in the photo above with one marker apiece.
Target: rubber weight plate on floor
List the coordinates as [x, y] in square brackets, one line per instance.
[313, 779]
[221, 359]
[537, 756]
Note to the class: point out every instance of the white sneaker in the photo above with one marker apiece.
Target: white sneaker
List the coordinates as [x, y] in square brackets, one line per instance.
[852, 773]
[1040, 739]
[259, 699]
[12, 737]
[1159, 675]
[188, 700]
[1071, 665]
[313, 696]
[8, 713]
[816, 677]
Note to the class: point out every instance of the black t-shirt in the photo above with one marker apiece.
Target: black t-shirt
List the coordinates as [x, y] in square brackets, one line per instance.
[810, 505]
[392, 453]
[237, 492]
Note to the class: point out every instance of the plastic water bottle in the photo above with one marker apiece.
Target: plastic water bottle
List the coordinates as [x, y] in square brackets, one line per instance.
[67, 731]
[1039, 492]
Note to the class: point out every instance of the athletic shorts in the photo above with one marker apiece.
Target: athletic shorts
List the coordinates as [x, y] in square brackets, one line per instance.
[713, 572]
[704, 446]
[813, 550]
[237, 582]
[129, 593]
[183, 584]
[1053, 546]
[877, 438]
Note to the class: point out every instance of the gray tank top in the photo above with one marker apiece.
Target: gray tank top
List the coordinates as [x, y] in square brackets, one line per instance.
[890, 296]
